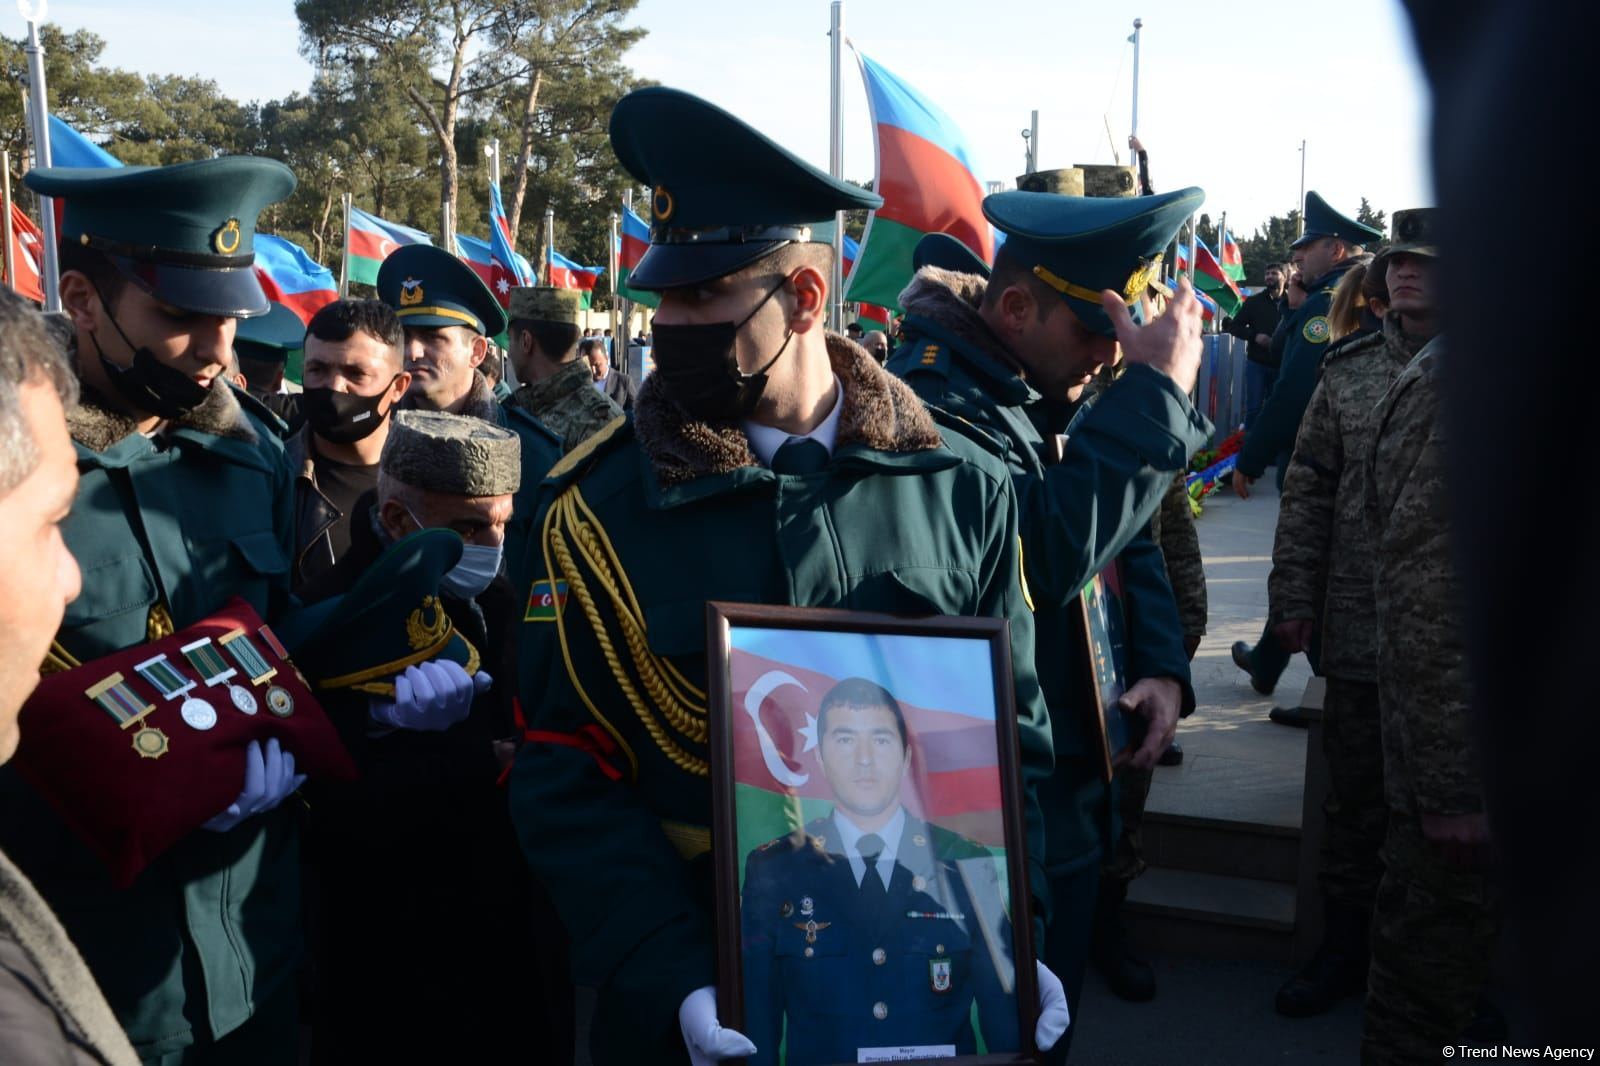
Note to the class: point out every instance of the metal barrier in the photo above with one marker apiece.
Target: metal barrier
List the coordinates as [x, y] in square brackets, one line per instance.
[1219, 392]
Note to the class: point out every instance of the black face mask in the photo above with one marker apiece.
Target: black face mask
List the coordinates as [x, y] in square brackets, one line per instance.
[148, 383]
[701, 373]
[342, 417]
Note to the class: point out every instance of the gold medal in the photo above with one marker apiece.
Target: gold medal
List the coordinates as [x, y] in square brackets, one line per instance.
[150, 742]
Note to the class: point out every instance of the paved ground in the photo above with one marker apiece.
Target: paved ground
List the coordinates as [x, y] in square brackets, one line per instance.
[1237, 765]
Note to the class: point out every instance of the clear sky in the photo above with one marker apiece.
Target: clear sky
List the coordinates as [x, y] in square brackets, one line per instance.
[1227, 90]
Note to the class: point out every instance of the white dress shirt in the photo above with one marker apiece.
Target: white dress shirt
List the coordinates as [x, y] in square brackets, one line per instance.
[850, 834]
[765, 441]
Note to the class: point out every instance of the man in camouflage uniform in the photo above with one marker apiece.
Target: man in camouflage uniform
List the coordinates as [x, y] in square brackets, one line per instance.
[1322, 575]
[1435, 921]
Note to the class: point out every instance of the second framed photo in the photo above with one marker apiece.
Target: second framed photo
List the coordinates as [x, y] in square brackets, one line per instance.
[872, 893]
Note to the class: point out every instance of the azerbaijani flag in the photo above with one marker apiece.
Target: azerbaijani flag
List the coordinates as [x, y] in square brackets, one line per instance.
[371, 239]
[27, 255]
[868, 316]
[565, 274]
[1232, 257]
[505, 271]
[1210, 278]
[69, 148]
[634, 240]
[475, 252]
[928, 181]
[944, 687]
[289, 276]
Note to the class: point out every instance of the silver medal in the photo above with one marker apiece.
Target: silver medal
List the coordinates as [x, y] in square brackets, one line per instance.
[198, 714]
[243, 699]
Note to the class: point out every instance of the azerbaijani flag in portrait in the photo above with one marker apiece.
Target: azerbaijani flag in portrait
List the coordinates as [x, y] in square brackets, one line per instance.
[945, 687]
[929, 183]
[371, 239]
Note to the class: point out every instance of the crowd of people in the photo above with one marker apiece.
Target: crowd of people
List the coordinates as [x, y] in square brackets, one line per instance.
[493, 578]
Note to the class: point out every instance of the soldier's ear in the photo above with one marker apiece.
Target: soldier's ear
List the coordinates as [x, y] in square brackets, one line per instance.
[810, 292]
[480, 350]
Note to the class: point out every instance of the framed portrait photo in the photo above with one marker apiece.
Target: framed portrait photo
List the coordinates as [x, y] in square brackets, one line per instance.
[1100, 647]
[872, 894]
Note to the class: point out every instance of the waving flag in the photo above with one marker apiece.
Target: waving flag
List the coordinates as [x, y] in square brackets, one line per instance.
[1210, 279]
[778, 678]
[565, 274]
[505, 266]
[69, 148]
[289, 276]
[928, 182]
[634, 240]
[27, 252]
[476, 253]
[1232, 257]
[370, 241]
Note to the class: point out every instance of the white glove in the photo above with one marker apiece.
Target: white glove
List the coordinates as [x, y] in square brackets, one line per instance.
[1053, 1015]
[432, 696]
[705, 1037]
[269, 778]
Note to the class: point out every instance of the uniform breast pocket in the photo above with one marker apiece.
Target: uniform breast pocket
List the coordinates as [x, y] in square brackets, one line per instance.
[815, 965]
[113, 608]
[249, 565]
[917, 590]
[936, 958]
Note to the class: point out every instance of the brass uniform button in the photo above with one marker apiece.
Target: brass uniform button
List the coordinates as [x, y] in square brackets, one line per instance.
[879, 956]
[810, 952]
[938, 949]
[880, 1010]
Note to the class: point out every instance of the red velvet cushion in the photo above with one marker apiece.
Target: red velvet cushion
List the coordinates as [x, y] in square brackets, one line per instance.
[130, 808]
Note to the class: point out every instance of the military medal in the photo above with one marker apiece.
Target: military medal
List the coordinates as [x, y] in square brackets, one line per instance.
[166, 678]
[271, 640]
[949, 916]
[279, 701]
[250, 660]
[808, 907]
[786, 910]
[812, 928]
[198, 713]
[127, 708]
[939, 974]
[243, 699]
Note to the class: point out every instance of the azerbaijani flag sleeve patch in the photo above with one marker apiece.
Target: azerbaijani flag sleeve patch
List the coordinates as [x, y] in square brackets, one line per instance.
[545, 599]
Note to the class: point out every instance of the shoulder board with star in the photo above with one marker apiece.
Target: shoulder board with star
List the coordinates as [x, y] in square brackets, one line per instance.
[581, 458]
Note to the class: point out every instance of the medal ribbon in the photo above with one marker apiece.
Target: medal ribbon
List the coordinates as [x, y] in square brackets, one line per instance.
[166, 678]
[120, 701]
[204, 657]
[255, 667]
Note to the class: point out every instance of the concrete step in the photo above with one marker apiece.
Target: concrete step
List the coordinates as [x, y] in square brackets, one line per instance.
[1217, 916]
[1197, 844]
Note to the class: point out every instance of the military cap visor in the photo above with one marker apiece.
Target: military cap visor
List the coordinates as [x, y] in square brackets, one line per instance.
[1080, 246]
[1413, 235]
[723, 194]
[947, 253]
[184, 233]
[429, 287]
[391, 619]
[1323, 221]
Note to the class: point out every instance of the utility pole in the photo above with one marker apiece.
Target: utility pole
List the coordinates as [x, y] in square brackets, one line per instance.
[836, 152]
[1301, 230]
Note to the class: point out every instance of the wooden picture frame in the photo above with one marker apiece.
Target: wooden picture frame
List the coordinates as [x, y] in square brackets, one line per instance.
[1096, 637]
[936, 963]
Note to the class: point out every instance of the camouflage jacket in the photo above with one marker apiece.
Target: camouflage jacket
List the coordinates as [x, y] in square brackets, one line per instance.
[568, 403]
[1430, 759]
[1173, 530]
[1321, 556]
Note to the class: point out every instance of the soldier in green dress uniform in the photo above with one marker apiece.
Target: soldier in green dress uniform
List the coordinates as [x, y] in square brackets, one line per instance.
[184, 501]
[449, 315]
[1012, 354]
[767, 461]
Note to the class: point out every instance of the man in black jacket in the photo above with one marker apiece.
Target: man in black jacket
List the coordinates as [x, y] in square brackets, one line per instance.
[1256, 322]
[614, 382]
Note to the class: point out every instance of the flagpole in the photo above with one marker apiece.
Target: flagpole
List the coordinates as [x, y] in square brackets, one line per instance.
[549, 245]
[1301, 228]
[616, 262]
[1138, 24]
[344, 261]
[39, 98]
[836, 152]
[10, 235]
